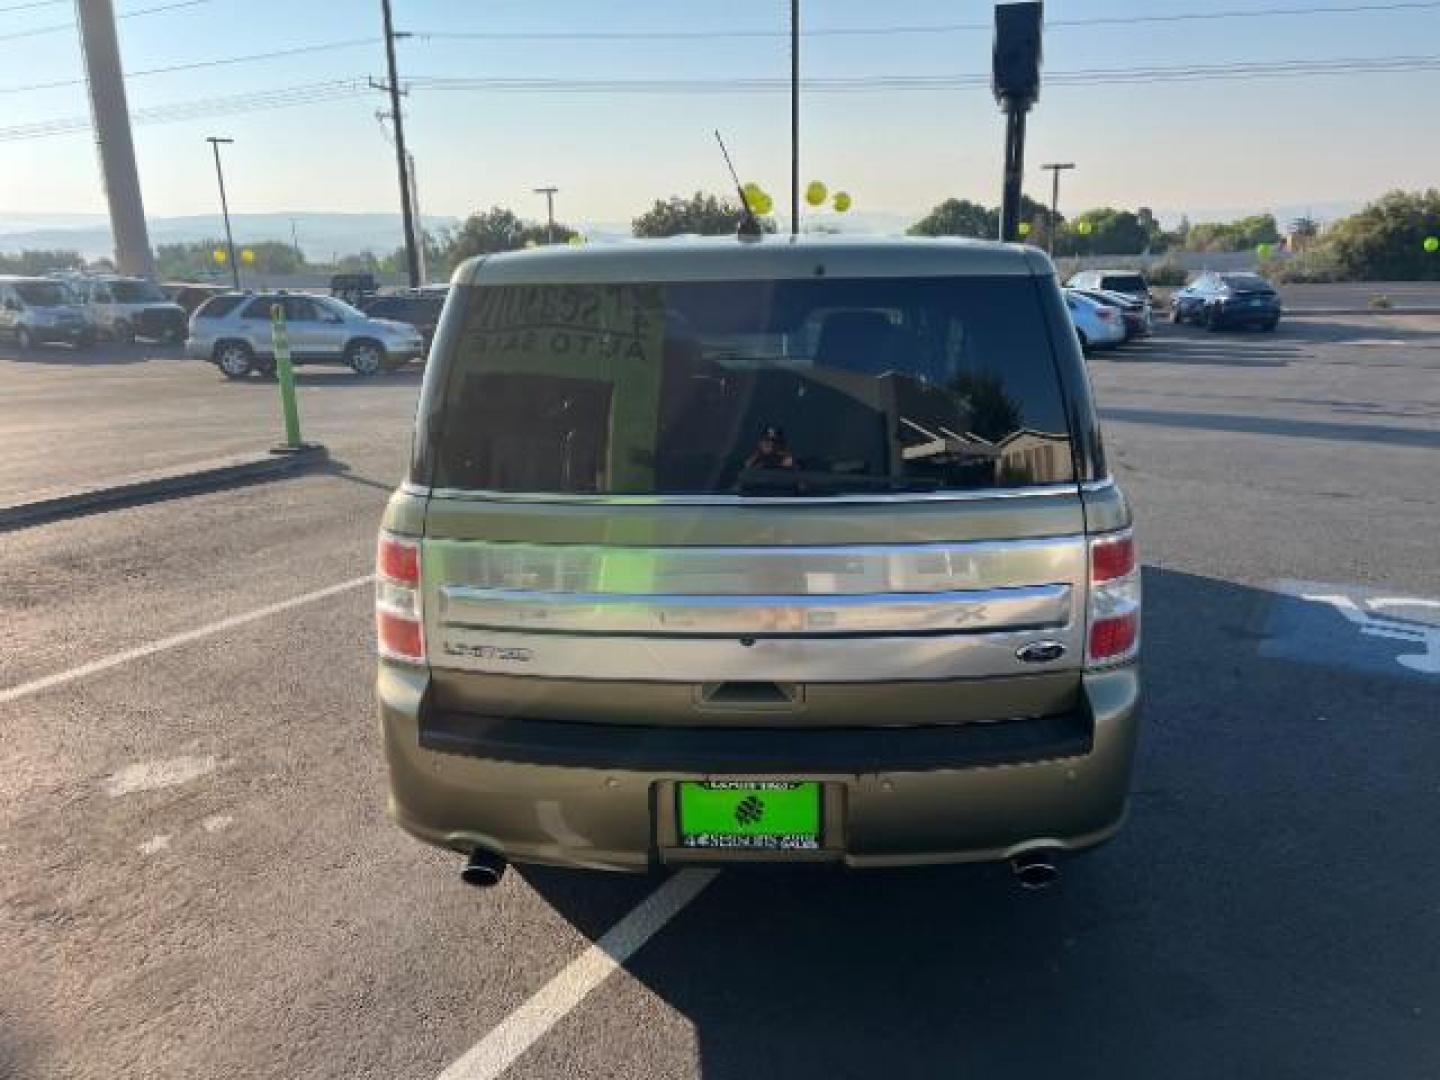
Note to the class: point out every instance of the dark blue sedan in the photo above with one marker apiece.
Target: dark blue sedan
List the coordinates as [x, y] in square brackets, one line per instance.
[1219, 300]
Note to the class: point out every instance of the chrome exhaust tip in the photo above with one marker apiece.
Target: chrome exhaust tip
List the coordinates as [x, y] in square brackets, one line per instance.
[483, 869]
[1035, 869]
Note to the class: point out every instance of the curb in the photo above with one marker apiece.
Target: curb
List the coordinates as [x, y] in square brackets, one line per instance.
[159, 486]
[1298, 312]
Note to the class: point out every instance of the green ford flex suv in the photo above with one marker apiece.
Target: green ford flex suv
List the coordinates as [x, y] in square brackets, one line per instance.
[719, 551]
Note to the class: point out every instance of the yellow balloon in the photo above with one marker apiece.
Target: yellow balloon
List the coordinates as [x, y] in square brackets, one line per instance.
[1024, 228]
[763, 205]
[841, 202]
[1085, 228]
[1432, 244]
[247, 256]
[815, 193]
[576, 240]
[219, 255]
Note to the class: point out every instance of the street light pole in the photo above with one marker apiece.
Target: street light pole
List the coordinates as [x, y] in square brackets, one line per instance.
[215, 142]
[1055, 171]
[549, 193]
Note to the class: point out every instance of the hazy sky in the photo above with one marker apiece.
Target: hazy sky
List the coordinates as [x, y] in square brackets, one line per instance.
[1172, 146]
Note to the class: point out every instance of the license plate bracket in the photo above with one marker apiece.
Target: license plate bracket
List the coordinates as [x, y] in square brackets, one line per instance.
[750, 815]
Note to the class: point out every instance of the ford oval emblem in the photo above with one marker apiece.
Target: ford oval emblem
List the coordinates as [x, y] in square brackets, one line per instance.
[1040, 652]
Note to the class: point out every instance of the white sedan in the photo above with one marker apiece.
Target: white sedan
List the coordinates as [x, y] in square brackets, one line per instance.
[1097, 325]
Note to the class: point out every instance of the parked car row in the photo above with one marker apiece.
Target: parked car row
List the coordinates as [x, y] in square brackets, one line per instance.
[1109, 308]
[79, 308]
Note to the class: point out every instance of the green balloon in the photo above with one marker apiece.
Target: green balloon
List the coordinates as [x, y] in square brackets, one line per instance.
[1432, 244]
[1265, 250]
[842, 202]
[815, 193]
[1085, 228]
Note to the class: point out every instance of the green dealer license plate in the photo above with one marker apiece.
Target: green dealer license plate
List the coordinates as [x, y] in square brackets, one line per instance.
[755, 815]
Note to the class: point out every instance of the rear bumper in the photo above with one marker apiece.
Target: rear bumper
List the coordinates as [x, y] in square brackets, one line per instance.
[1246, 316]
[602, 796]
[69, 333]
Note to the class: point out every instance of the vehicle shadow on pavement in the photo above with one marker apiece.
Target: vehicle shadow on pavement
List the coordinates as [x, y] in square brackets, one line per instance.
[104, 355]
[1268, 910]
[307, 376]
[1186, 345]
[1371, 434]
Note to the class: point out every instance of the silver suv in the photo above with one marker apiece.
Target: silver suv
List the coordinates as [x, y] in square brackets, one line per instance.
[233, 332]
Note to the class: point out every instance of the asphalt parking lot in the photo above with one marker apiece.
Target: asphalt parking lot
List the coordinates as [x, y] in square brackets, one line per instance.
[200, 880]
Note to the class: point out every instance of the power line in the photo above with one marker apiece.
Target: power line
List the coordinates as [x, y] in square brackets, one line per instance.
[931, 28]
[195, 65]
[332, 90]
[32, 4]
[55, 28]
[304, 94]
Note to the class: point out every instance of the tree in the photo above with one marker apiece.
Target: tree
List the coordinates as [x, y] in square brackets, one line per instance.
[1107, 231]
[958, 217]
[701, 214]
[40, 262]
[1386, 240]
[487, 232]
[1243, 234]
[197, 259]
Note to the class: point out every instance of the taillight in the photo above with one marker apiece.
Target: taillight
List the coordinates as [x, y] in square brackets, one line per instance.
[399, 626]
[1114, 615]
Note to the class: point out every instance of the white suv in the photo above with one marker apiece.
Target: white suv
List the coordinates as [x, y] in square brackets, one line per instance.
[233, 332]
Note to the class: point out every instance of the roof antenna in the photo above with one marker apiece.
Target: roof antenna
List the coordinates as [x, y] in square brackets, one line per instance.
[750, 228]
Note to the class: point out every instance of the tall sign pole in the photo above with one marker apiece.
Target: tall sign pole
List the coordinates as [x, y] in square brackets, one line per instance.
[111, 115]
[794, 117]
[1016, 84]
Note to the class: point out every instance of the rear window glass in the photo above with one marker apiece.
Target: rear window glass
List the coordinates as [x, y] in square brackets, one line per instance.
[1131, 283]
[1248, 283]
[42, 294]
[217, 307]
[137, 292]
[781, 388]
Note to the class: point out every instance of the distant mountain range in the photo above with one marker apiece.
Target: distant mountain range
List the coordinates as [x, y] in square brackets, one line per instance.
[321, 235]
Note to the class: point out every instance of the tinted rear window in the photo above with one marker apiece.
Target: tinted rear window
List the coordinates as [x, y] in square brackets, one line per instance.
[1131, 283]
[137, 292]
[217, 307]
[796, 387]
[42, 293]
[1248, 283]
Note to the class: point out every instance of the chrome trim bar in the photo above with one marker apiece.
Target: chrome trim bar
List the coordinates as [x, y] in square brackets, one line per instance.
[794, 571]
[982, 495]
[667, 615]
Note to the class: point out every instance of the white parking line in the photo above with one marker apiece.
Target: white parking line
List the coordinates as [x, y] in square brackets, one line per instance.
[15, 693]
[498, 1050]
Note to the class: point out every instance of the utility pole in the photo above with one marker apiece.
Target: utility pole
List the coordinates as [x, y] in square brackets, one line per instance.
[215, 142]
[419, 217]
[295, 241]
[111, 116]
[412, 255]
[1055, 171]
[794, 117]
[549, 193]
